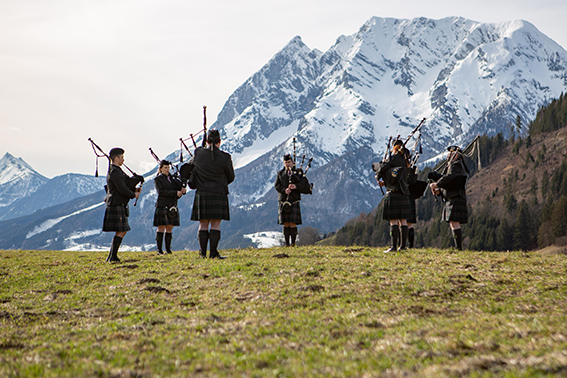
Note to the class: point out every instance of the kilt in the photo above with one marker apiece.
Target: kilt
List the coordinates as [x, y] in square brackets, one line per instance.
[413, 218]
[455, 210]
[115, 219]
[161, 219]
[294, 216]
[210, 206]
[396, 206]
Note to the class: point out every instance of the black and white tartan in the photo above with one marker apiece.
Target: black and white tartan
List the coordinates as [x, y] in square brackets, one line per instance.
[161, 219]
[210, 206]
[396, 206]
[294, 216]
[455, 210]
[115, 219]
[413, 217]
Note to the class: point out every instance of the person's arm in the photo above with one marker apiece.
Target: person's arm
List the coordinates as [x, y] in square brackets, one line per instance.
[162, 190]
[119, 180]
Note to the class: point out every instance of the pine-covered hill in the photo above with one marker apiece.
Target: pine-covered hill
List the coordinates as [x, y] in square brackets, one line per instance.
[518, 199]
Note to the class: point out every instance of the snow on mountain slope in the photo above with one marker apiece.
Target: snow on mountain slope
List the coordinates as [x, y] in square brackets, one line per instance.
[17, 179]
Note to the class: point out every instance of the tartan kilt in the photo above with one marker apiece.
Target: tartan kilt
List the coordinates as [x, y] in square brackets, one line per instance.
[115, 219]
[161, 219]
[455, 210]
[294, 216]
[210, 206]
[396, 206]
[413, 218]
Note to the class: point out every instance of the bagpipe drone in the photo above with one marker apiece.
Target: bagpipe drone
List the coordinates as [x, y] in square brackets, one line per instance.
[99, 152]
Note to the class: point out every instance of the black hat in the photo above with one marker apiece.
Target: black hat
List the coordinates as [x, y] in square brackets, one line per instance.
[453, 149]
[287, 157]
[213, 137]
[398, 143]
[116, 151]
[164, 162]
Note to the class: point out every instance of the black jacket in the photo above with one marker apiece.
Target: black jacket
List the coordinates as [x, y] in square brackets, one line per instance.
[120, 188]
[167, 188]
[453, 181]
[212, 172]
[387, 172]
[281, 184]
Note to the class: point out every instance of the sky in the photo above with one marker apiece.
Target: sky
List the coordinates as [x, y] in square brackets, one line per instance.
[137, 73]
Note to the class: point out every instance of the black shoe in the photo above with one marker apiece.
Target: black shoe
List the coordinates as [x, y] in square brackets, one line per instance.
[217, 256]
[391, 249]
[160, 253]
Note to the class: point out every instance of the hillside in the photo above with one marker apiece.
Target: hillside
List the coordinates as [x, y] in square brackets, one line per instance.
[302, 312]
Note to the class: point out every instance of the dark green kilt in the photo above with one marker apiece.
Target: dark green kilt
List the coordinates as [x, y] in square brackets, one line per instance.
[455, 210]
[161, 219]
[413, 218]
[210, 206]
[115, 219]
[396, 206]
[294, 216]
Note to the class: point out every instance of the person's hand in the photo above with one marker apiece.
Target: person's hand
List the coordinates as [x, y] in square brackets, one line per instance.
[380, 183]
[179, 193]
[137, 193]
[434, 188]
[292, 186]
[184, 191]
[287, 191]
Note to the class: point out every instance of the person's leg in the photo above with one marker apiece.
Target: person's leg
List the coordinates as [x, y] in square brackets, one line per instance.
[395, 235]
[215, 236]
[457, 234]
[404, 234]
[411, 235]
[203, 237]
[287, 233]
[116, 241]
[292, 233]
[168, 237]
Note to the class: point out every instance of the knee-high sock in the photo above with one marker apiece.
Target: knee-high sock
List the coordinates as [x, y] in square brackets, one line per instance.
[411, 237]
[168, 238]
[203, 241]
[293, 234]
[287, 235]
[395, 234]
[458, 237]
[215, 236]
[113, 255]
[159, 241]
[404, 241]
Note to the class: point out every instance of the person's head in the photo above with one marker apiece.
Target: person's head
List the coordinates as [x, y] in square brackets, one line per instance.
[288, 161]
[454, 151]
[398, 146]
[213, 137]
[116, 156]
[164, 167]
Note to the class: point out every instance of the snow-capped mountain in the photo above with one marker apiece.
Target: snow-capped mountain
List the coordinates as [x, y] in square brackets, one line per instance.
[17, 179]
[465, 77]
[341, 106]
[55, 191]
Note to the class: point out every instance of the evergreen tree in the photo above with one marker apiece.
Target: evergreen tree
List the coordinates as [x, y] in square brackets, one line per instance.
[504, 235]
[522, 229]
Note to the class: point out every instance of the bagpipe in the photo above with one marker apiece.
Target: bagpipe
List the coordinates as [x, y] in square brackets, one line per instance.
[458, 182]
[298, 175]
[299, 179]
[176, 173]
[99, 152]
[186, 169]
[402, 176]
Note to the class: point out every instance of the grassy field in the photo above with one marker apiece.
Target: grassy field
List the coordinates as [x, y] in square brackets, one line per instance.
[309, 311]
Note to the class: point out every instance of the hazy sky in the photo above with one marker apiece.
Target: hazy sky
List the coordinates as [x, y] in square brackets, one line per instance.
[136, 73]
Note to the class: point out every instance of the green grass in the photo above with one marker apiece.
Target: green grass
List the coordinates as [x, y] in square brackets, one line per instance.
[322, 311]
